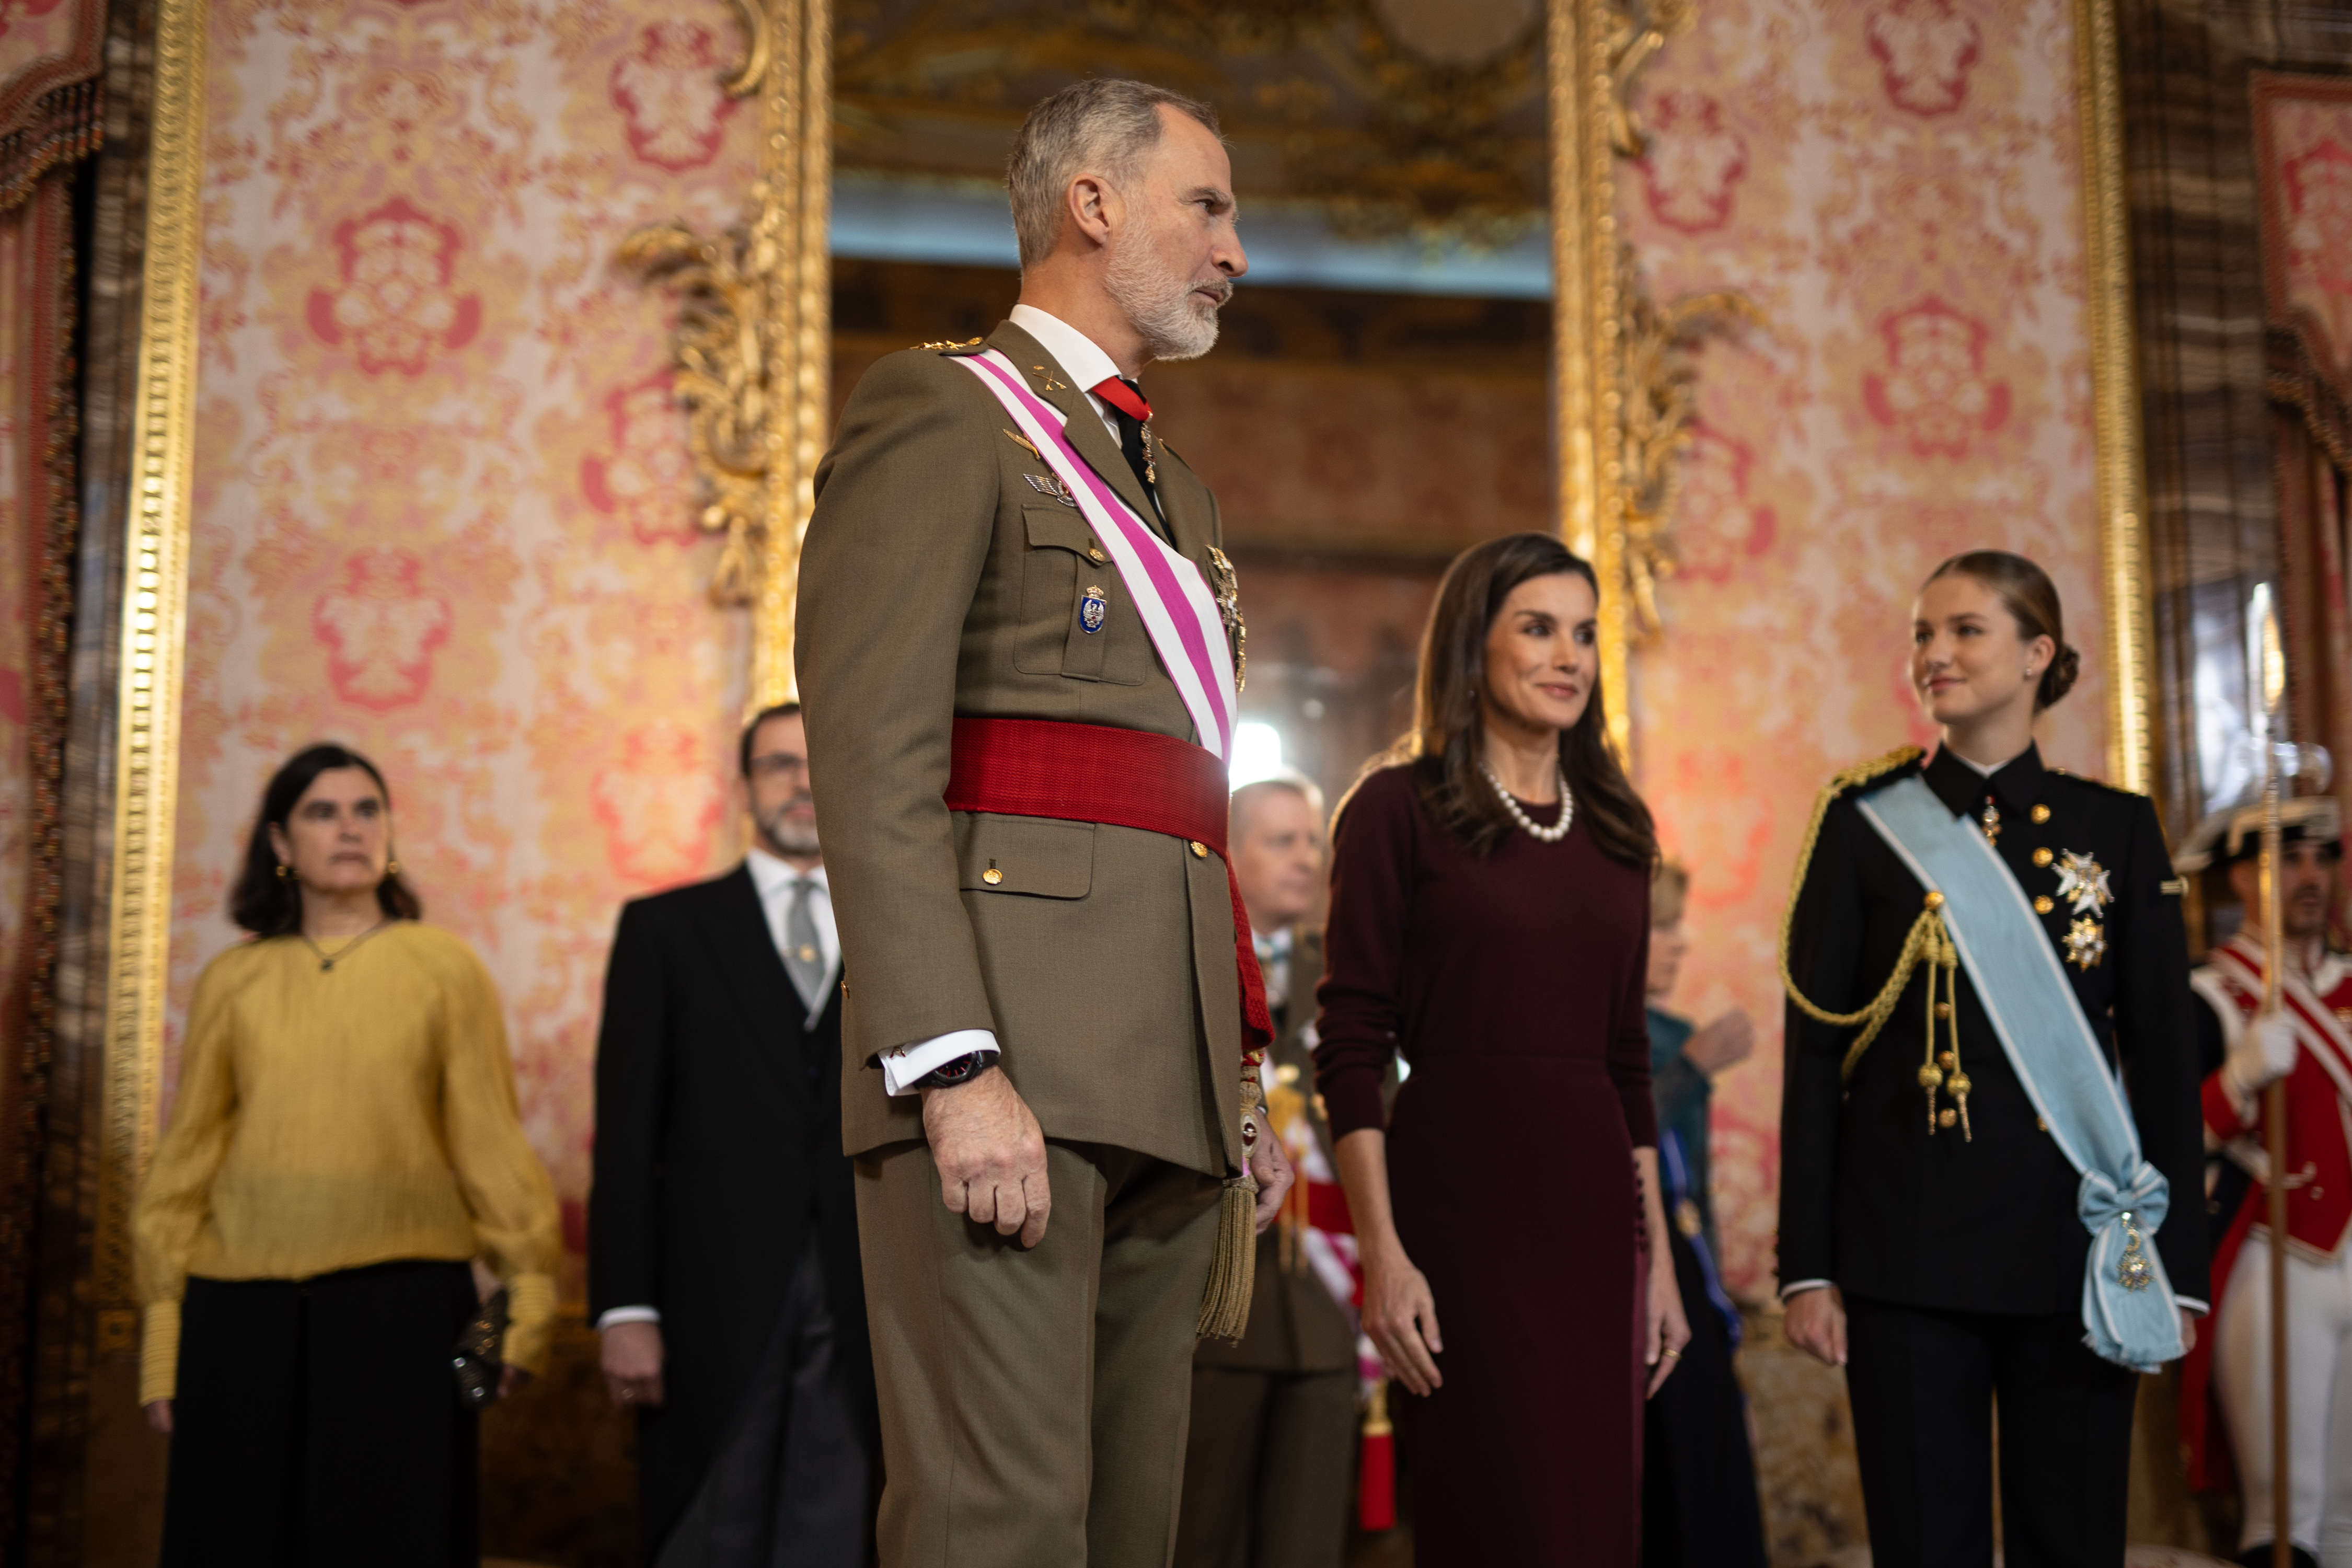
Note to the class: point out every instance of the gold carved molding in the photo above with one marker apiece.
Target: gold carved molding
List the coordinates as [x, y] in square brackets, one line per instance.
[2118, 440]
[753, 343]
[154, 615]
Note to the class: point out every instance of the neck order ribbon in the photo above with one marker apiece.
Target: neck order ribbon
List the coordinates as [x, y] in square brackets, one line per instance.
[2129, 1315]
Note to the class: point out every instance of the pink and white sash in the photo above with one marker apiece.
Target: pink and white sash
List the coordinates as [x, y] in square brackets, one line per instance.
[2316, 1029]
[1178, 609]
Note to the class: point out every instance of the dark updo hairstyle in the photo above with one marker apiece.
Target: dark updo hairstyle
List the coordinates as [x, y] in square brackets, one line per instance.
[2032, 600]
[268, 904]
[1442, 747]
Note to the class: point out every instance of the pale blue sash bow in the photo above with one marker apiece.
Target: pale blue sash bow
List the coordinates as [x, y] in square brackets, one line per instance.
[2128, 1314]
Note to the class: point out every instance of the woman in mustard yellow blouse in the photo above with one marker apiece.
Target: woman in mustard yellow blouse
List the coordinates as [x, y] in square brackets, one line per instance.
[343, 1145]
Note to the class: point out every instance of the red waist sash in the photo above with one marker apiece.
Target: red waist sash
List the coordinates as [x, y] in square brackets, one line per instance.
[1127, 778]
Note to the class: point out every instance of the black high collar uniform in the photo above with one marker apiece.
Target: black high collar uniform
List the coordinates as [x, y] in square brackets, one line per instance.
[1868, 1197]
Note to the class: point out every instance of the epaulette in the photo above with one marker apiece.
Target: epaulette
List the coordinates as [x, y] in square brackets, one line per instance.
[2097, 784]
[948, 345]
[1875, 772]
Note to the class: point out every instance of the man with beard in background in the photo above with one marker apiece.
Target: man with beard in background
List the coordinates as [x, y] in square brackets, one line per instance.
[722, 1235]
[1019, 643]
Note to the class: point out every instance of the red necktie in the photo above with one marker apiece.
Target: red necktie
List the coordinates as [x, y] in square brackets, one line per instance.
[1123, 396]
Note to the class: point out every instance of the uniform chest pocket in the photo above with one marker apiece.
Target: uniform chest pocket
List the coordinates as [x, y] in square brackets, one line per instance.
[1070, 586]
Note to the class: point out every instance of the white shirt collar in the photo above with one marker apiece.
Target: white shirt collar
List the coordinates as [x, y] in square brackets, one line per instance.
[1979, 769]
[1080, 357]
[772, 876]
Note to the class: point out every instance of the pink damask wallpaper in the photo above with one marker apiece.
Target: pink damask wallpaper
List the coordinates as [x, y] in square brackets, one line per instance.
[2302, 141]
[1895, 183]
[444, 512]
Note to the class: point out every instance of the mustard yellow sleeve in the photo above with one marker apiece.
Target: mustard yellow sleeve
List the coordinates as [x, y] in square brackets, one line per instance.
[507, 1190]
[176, 1197]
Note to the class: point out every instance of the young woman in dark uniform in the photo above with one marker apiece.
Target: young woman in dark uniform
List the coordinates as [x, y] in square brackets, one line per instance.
[1940, 1237]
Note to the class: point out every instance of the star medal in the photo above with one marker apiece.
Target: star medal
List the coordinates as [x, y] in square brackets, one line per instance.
[2086, 943]
[2083, 882]
[1092, 609]
[1227, 588]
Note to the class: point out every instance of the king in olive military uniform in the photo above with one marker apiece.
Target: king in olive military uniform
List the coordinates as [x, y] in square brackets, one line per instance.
[1034, 1403]
[1925, 1186]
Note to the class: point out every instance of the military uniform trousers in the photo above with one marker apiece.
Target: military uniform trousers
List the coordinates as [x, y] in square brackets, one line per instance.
[1923, 1382]
[1272, 1453]
[1034, 1401]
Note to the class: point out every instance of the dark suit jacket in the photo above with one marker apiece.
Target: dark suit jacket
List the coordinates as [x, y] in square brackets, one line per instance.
[1294, 1325]
[1869, 1199]
[717, 1147]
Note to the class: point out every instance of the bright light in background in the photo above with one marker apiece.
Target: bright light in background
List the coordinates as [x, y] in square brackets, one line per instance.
[1258, 753]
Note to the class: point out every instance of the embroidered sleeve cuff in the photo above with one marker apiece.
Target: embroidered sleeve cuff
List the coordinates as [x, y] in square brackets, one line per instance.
[628, 1315]
[1799, 1287]
[902, 1065]
[159, 1353]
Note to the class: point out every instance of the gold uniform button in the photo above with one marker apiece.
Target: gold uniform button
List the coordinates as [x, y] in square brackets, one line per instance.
[2043, 906]
[2040, 813]
[2039, 1125]
[2042, 856]
[992, 876]
[1947, 1117]
[1934, 901]
[1944, 1010]
[1948, 1061]
[1200, 849]
[1095, 554]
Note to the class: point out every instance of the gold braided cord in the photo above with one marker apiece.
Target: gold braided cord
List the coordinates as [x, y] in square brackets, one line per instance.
[1928, 940]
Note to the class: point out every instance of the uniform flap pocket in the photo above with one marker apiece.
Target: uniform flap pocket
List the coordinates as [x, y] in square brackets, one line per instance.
[1058, 527]
[1033, 855]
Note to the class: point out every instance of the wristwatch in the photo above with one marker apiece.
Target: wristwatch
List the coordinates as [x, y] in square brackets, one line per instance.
[958, 1070]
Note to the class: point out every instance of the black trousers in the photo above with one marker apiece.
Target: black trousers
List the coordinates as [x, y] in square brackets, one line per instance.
[1699, 1505]
[1924, 1384]
[1267, 1465]
[317, 1425]
[796, 1481]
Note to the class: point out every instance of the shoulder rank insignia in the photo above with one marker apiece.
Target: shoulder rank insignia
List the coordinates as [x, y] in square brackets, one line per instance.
[2083, 882]
[949, 343]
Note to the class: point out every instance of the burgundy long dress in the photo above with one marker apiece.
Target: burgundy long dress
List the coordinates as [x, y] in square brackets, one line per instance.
[1513, 986]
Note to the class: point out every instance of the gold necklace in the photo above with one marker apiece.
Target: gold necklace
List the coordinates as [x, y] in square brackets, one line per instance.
[327, 961]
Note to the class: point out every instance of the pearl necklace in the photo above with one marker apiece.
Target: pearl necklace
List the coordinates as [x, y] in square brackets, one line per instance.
[1558, 830]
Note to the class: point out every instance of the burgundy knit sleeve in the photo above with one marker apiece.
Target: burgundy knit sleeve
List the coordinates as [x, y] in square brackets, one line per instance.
[1363, 950]
[1629, 1048]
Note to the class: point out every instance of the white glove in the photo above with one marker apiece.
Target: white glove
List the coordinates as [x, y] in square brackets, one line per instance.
[2263, 1054]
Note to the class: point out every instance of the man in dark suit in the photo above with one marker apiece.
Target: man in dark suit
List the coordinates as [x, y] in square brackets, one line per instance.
[722, 1234]
[1272, 1449]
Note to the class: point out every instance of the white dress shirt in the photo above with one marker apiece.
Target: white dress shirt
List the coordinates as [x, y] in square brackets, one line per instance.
[1083, 361]
[774, 880]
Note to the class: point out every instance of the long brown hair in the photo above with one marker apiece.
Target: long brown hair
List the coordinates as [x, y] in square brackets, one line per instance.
[2026, 591]
[1442, 747]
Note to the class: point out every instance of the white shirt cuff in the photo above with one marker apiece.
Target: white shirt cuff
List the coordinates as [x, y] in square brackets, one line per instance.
[628, 1315]
[2202, 1308]
[1799, 1287]
[903, 1065]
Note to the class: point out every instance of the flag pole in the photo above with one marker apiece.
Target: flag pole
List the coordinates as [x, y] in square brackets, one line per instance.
[2275, 958]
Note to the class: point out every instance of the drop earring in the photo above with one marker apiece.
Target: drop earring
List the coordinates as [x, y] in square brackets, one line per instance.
[282, 872]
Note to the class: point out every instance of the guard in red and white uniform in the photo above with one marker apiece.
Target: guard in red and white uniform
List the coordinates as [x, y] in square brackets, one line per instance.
[2309, 1044]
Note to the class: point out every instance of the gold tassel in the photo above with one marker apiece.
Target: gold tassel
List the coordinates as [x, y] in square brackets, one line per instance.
[1233, 1276]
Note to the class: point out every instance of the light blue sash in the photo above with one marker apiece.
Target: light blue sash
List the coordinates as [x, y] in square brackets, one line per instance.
[2128, 1313]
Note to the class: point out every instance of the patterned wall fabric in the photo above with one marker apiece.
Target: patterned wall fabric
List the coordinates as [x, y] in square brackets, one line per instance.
[444, 512]
[1896, 183]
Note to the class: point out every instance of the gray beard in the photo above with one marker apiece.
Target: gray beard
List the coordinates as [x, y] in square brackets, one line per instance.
[1158, 304]
[779, 834]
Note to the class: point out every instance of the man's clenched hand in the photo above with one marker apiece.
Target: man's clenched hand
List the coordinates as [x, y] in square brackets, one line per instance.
[991, 1154]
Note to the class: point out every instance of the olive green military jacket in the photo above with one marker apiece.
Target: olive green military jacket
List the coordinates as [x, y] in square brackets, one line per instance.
[936, 581]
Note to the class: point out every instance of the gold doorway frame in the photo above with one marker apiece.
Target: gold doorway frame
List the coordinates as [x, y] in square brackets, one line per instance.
[1596, 50]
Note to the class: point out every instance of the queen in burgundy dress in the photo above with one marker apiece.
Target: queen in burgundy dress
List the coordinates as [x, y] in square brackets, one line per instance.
[1490, 921]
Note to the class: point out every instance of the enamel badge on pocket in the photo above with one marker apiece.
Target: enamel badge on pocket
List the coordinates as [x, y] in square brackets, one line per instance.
[1092, 609]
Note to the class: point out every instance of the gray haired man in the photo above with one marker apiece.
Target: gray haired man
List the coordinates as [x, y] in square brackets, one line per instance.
[1044, 1000]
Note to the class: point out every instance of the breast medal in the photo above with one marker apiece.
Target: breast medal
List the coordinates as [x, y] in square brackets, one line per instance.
[1226, 586]
[1052, 485]
[1092, 609]
[2083, 882]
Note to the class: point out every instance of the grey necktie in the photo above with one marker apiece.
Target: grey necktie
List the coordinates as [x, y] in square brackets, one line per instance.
[803, 954]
